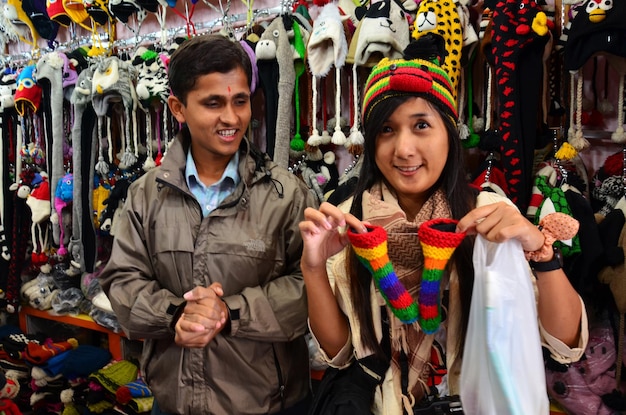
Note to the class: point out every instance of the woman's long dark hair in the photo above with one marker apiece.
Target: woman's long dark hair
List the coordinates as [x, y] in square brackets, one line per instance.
[459, 194]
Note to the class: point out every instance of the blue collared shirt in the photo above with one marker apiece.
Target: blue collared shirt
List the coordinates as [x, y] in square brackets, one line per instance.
[211, 196]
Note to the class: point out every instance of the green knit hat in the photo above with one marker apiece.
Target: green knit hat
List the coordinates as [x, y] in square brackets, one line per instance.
[410, 77]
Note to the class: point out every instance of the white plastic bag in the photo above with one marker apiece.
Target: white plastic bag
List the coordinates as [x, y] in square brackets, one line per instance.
[503, 370]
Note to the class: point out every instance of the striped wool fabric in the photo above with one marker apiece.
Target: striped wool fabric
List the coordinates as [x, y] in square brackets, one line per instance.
[439, 241]
[371, 250]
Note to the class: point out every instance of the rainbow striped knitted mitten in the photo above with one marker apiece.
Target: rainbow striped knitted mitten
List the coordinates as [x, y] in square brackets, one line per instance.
[439, 240]
[371, 250]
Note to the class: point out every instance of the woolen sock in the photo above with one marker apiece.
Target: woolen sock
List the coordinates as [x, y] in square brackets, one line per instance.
[439, 240]
[371, 250]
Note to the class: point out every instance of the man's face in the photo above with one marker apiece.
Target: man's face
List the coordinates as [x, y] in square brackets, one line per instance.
[217, 114]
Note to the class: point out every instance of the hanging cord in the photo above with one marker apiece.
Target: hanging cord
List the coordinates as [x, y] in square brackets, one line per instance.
[578, 140]
[191, 28]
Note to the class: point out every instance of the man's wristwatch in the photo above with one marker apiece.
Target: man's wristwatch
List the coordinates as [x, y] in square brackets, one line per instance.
[555, 263]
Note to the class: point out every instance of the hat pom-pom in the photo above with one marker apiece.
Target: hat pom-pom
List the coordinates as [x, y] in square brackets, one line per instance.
[339, 138]
[102, 167]
[464, 131]
[566, 152]
[619, 136]
[296, 147]
[313, 153]
[315, 139]
[471, 141]
[326, 138]
[579, 141]
[149, 164]
[127, 160]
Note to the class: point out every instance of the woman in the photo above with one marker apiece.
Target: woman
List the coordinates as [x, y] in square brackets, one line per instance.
[412, 172]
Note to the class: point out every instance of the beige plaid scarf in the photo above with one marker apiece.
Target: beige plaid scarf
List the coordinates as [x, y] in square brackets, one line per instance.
[380, 207]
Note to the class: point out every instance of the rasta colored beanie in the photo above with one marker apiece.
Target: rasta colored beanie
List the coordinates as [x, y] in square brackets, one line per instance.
[439, 241]
[411, 77]
[371, 250]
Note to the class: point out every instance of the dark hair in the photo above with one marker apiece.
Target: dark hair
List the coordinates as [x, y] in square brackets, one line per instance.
[202, 55]
[458, 193]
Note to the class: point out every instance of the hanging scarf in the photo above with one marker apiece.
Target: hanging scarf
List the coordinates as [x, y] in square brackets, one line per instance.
[380, 207]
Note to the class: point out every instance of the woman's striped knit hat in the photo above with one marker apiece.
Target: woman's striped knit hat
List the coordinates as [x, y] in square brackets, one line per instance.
[409, 77]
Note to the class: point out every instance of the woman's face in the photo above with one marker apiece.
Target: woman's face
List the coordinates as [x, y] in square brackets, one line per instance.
[412, 149]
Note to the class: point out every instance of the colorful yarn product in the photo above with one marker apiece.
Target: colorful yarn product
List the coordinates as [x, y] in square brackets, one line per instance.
[438, 240]
[371, 250]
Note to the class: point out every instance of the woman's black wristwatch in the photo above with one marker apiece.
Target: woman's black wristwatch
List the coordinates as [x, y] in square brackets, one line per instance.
[555, 263]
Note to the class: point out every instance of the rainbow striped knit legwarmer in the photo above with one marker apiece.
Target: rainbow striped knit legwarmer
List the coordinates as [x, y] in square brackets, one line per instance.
[439, 240]
[371, 250]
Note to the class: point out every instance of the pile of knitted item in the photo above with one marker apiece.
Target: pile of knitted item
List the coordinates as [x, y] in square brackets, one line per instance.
[115, 385]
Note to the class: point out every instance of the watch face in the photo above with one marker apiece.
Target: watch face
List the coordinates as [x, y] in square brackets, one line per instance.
[558, 255]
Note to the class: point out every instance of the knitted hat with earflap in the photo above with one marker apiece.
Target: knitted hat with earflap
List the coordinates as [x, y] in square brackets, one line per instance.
[411, 77]
[76, 11]
[327, 47]
[37, 13]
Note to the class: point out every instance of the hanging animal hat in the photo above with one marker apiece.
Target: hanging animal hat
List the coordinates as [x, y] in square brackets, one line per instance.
[15, 11]
[598, 27]
[57, 13]
[37, 13]
[50, 74]
[40, 206]
[382, 32]
[275, 60]
[75, 10]
[85, 146]
[28, 94]
[327, 47]
[115, 80]
[520, 31]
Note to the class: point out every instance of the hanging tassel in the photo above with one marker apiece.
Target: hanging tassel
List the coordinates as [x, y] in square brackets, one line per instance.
[355, 140]
[577, 140]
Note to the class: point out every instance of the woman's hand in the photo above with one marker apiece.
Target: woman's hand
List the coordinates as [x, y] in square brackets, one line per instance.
[499, 222]
[324, 234]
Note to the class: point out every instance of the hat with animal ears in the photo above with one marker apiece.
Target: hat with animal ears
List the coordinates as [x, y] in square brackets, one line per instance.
[36, 11]
[382, 32]
[327, 47]
[115, 79]
[75, 10]
[28, 93]
[57, 13]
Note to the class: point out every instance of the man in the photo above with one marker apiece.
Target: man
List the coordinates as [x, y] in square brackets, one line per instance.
[206, 264]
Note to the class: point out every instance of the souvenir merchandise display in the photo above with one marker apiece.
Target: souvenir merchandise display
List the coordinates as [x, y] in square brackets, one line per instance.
[83, 114]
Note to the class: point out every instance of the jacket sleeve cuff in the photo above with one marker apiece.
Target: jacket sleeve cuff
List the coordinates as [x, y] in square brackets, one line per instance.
[233, 304]
[175, 311]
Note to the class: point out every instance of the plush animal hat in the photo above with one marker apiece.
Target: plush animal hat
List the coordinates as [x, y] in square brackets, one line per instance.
[57, 13]
[75, 10]
[36, 11]
[115, 79]
[598, 27]
[327, 47]
[28, 93]
[275, 60]
[382, 32]
[14, 10]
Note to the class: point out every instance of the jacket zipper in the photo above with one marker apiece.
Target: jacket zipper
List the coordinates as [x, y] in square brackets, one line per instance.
[281, 384]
